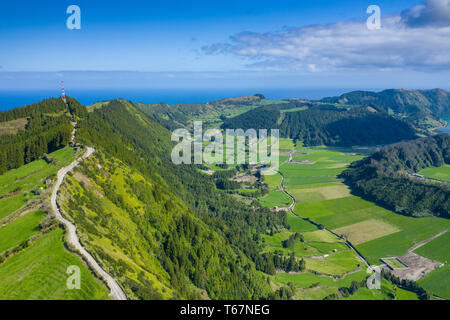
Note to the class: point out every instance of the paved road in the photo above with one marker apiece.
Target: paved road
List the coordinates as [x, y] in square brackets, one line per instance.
[116, 291]
[291, 209]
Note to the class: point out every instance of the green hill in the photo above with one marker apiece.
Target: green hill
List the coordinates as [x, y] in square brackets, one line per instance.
[421, 107]
[387, 177]
[321, 124]
[211, 113]
[163, 230]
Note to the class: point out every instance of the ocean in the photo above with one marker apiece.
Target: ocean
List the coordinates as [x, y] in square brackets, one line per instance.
[13, 99]
[447, 128]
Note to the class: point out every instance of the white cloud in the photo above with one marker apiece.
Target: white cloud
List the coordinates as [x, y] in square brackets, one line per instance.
[348, 45]
[432, 13]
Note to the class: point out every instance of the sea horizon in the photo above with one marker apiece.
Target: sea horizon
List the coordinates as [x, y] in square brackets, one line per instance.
[10, 99]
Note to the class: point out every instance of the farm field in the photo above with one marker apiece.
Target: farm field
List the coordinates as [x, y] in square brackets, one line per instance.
[375, 231]
[16, 185]
[405, 295]
[39, 272]
[438, 173]
[20, 230]
[352, 216]
[437, 249]
[30, 175]
[9, 205]
[312, 179]
[299, 225]
[275, 198]
[307, 280]
[273, 181]
[437, 281]
[319, 192]
[34, 261]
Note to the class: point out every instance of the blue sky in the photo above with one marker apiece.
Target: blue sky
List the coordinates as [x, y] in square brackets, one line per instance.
[215, 43]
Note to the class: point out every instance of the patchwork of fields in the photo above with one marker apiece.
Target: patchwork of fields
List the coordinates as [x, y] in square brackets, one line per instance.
[33, 259]
[312, 178]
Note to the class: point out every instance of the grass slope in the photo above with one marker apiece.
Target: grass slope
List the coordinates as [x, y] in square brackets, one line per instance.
[39, 273]
[20, 230]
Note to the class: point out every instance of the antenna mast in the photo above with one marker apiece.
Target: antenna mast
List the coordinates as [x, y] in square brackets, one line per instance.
[63, 96]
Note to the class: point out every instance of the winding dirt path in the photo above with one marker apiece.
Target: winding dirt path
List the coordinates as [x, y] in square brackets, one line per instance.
[116, 291]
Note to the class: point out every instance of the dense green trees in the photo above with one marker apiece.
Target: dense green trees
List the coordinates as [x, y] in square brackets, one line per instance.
[270, 262]
[120, 130]
[326, 124]
[259, 118]
[416, 105]
[290, 242]
[48, 128]
[385, 177]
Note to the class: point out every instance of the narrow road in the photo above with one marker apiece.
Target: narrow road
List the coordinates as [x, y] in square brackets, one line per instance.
[116, 291]
[291, 209]
[424, 242]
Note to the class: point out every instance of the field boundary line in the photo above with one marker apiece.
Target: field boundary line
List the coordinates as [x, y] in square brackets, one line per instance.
[291, 209]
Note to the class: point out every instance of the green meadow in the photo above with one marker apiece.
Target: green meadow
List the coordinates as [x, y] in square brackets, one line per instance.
[275, 198]
[36, 270]
[9, 205]
[377, 232]
[39, 272]
[16, 185]
[20, 230]
[437, 249]
[438, 173]
[30, 176]
[438, 282]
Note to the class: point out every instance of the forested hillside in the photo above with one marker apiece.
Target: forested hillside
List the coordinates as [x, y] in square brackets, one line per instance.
[385, 177]
[418, 106]
[196, 238]
[326, 124]
[46, 129]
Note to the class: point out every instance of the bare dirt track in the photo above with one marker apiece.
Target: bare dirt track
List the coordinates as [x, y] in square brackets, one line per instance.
[116, 291]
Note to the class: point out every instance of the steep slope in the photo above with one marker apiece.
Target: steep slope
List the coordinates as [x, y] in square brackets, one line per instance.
[386, 177]
[162, 230]
[418, 106]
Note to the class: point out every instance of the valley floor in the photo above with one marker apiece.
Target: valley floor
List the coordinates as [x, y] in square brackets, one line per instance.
[311, 178]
